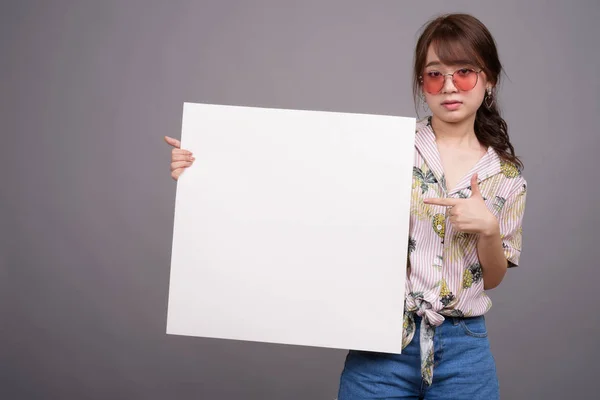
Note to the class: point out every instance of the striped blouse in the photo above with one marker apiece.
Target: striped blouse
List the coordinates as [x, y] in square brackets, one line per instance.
[445, 276]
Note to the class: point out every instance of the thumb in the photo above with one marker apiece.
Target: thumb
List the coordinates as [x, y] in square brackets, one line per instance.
[475, 192]
[173, 142]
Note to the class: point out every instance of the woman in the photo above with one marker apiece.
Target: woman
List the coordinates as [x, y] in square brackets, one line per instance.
[468, 199]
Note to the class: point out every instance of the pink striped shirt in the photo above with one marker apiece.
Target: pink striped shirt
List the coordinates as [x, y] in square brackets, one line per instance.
[445, 276]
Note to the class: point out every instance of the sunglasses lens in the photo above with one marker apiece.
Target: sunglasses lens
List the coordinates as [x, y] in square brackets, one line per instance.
[465, 79]
[433, 83]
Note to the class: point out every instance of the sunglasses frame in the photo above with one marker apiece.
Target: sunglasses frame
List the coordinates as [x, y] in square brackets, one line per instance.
[421, 79]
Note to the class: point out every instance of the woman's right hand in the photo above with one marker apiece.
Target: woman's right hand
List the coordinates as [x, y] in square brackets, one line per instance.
[180, 158]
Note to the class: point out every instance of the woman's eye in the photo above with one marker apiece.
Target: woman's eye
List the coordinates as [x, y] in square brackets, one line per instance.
[464, 71]
[434, 74]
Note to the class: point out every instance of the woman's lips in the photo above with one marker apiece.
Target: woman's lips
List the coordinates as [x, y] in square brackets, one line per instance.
[451, 105]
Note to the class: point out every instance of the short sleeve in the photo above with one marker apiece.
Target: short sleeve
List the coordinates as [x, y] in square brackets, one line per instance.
[511, 224]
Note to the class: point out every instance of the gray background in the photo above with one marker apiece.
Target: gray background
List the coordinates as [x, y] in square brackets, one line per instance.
[88, 89]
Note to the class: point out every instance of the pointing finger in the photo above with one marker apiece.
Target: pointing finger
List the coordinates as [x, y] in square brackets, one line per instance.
[442, 202]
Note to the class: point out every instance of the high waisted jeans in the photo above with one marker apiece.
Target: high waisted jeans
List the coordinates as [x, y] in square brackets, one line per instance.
[464, 367]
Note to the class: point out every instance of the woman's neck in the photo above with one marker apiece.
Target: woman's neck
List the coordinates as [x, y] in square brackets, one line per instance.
[455, 134]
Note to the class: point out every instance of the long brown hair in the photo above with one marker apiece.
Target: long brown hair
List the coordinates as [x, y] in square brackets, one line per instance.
[456, 38]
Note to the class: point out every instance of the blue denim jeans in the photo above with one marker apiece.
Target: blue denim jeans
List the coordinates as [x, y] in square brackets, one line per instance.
[464, 367]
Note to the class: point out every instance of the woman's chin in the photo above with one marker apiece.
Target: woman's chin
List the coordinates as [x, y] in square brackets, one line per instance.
[453, 117]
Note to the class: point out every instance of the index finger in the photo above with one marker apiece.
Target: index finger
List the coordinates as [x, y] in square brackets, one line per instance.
[442, 202]
[173, 142]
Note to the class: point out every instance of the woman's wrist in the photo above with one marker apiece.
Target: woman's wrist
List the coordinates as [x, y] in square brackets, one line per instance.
[492, 229]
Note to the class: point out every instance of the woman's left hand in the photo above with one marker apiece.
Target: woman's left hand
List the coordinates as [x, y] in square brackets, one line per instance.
[469, 215]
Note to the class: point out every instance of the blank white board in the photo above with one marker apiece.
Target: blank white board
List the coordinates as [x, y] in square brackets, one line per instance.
[291, 227]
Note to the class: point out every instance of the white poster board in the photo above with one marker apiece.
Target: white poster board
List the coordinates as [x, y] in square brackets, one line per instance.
[291, 227]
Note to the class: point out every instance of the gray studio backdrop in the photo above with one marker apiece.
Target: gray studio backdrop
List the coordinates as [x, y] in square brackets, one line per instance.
[88, 89]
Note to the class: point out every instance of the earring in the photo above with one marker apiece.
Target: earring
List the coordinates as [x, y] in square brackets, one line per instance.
[489, 99]
[425, 105]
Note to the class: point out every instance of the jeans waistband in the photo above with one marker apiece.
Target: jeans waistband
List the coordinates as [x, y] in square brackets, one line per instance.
[453, 319]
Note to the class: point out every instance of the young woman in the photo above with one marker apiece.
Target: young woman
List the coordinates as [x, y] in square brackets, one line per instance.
[468, 199]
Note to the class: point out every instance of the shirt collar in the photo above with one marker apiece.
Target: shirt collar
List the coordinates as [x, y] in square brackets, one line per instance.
[425, 142]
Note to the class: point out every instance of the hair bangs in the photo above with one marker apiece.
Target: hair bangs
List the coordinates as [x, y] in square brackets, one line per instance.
[453, 51]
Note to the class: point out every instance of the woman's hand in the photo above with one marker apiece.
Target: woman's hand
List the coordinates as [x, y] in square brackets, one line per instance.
[180, 158]
[469, 215]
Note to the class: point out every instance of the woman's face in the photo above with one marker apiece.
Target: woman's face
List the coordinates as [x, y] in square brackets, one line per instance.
[448, 100]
